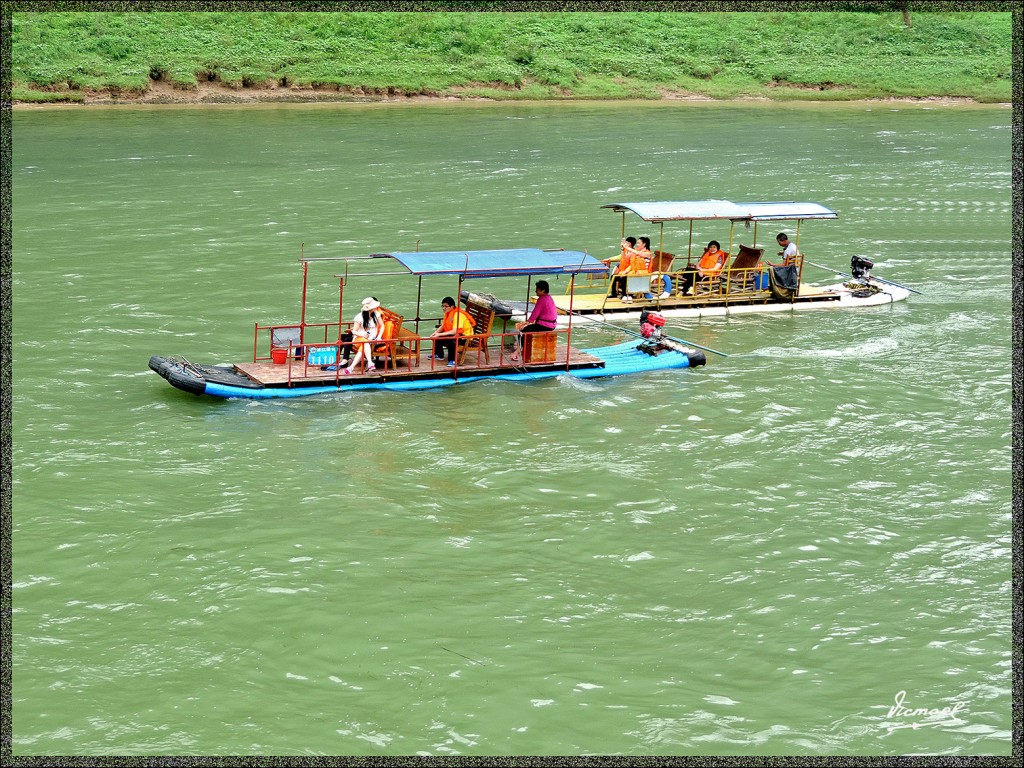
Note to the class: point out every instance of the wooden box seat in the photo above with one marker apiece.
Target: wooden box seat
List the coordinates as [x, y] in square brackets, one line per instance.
[539, 347]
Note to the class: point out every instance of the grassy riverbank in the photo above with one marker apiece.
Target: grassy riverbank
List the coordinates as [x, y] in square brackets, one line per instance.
[168, 57]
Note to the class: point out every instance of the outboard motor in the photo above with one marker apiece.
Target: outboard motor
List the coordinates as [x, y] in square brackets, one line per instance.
[861, 268]
[655, 343]
[860, 285]
[651, 324]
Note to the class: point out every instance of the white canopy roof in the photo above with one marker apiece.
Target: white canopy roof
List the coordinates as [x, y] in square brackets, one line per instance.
[675, 211]
[723, 209]
[770, 211]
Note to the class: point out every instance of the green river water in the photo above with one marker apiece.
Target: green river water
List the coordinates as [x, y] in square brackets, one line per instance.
[759, 557]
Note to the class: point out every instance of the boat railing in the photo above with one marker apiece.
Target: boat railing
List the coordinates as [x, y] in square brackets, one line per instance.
[730, 281]
[321, 346]
[591, 280]
[291, 336]
[541, 348]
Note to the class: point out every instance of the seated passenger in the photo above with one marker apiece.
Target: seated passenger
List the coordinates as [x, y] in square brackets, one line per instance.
[624, 266]
[644, 252]
[640, 265]
[367, 327]
[710, 265]
[543, 318]
[628, 245]
[456, 323]
[789, 250]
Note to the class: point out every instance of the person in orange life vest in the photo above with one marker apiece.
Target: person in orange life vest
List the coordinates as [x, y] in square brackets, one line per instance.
[711, 262]
[543, 318]
[624, 266]
[367, 327]
[456, 323]
[628, 245]
[642, 259]
[640, 264]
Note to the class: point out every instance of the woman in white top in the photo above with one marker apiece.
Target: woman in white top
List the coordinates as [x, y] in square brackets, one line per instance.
[367, 327]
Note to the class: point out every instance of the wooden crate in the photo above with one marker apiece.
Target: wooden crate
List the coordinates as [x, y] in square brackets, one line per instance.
[539, 347]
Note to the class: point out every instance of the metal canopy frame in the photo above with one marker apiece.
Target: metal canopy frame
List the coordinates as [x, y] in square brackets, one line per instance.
[711, 210]
[508, 262]
[705, 210]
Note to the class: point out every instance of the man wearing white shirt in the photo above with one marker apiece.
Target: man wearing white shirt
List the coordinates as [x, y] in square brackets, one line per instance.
[789, 250]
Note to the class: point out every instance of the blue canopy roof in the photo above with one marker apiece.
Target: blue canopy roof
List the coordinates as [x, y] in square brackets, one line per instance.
[694, 210]
[511, 261]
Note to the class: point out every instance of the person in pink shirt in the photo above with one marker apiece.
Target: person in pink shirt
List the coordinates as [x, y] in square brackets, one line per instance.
[543, 318]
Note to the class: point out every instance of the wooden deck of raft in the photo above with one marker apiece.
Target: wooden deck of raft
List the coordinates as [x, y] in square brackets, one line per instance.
[402, 355]
[405, 368]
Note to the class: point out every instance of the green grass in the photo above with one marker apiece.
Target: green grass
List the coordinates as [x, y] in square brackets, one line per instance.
[521, 55]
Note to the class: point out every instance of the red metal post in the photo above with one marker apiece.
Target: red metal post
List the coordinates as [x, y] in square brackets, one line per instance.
[341, 305]
[568, 333]
[302, 320]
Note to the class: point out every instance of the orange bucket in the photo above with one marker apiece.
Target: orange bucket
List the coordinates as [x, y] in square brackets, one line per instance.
[279, 355]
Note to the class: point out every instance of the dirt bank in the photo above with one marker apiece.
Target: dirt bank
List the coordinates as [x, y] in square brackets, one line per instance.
[205, 93]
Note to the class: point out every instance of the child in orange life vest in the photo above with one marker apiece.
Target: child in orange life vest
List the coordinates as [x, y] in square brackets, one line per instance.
[624, 267]
[640, 264]
[456, 323]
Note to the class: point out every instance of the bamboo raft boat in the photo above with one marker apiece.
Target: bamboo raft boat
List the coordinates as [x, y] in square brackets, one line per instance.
[302, 359]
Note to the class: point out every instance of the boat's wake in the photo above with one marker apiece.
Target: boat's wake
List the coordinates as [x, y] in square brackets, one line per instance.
[869, 349]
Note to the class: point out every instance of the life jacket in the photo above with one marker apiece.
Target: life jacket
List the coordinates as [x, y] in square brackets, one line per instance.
[391, 323]
[456, 325]
[625, 260]
[713, 262]
[642, 261]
